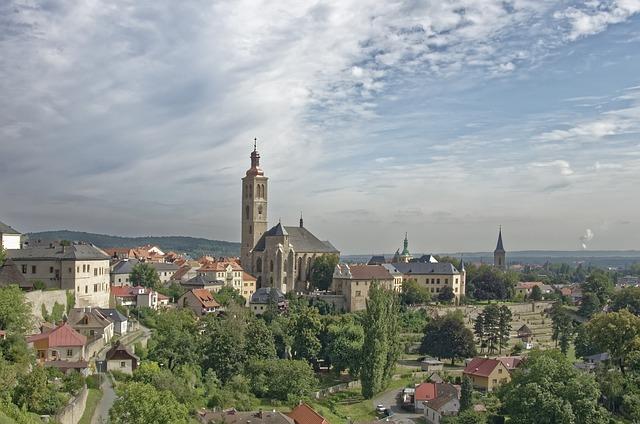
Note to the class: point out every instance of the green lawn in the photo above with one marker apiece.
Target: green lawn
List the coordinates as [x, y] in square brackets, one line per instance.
[93, 397]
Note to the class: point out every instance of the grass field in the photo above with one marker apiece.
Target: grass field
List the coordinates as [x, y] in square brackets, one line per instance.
[93, 397]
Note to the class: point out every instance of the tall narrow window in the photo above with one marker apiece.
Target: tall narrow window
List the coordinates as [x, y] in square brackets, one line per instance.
[246, 212]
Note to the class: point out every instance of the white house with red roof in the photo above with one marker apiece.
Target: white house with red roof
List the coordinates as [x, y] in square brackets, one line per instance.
[63, 348]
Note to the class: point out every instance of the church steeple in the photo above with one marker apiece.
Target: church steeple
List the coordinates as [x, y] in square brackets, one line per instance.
[301, 221]
[499, 255]
[254, 208]
[405, 256]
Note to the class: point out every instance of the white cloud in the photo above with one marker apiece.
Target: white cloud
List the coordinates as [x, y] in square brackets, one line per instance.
[595, 16]
[561, 166]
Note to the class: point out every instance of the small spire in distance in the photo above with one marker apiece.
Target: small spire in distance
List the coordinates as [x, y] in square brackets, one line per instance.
[255, 144]
[301, 221]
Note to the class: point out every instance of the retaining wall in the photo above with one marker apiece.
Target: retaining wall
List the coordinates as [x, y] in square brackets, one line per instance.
[72, 413]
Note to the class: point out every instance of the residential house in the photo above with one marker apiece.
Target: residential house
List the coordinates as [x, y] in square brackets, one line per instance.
[248, 285]
[119, 253]
[120, 322]
[263, 296]
[354, 281]
[138, 296]
[524, 288]
[435, 276]
[165, 270]
[9, 238]
[80, 267]
[120, 359]
[62, 348]
[304, 414]
[526, 335]
[445, 403]
[398, 278]
[200, 301]
[425, 392]
[121, 271]
[235, 417]
[91, 323]
[511, 362]
[486, 373]
[202, 281]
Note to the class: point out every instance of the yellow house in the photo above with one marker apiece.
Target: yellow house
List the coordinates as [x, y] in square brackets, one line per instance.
[487, 374]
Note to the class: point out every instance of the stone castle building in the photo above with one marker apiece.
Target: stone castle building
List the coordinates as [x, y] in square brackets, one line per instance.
[282, 256]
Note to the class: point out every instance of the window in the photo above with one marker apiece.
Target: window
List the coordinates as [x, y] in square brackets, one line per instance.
[24, 269]
[88, 267]
[69, 353]
[78, 268]
[260, 210]
[95, 288]
[446, 281]
[358, 293]
[95, 272]
[54, 353]
[250, 229]
[70, 270]
[86, 289]
[92, 332]
[246, 212]
[271, 266]
[499, 370]
[33, 269]
[119, 280]
[438, 280]
[50, 270]
[122, 364]
[84, 268]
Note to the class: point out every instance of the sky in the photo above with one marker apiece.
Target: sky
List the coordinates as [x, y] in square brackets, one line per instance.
[442, 119]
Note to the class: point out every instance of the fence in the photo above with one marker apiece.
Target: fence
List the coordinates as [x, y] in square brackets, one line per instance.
[320, 394]
[72, 413]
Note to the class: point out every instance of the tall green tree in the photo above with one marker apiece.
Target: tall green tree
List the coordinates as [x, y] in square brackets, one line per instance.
[627, 298]
[35, 393]
[176, 340]
[227, 296]
[493, 325]
[562, 327]
[260, 343]
[15, 311]
[590, 305]
[617, 333]
[446, 294]
[224, 347]
[504, 326]
[141, 403]
[143, 274]
[466, 394]
[448, 337]
[345, 341]
[280, 379]
[322, 271]
[599, 283]
[381, 347]
[307, 325]
[413, 293]
[548, 389]
[536, 293]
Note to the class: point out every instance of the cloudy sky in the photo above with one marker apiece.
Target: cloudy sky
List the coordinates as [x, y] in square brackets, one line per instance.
[444, 119]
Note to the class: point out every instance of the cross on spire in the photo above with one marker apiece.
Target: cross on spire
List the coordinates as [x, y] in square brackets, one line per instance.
[255, 142]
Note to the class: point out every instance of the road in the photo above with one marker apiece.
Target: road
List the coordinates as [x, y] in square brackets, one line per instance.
[101, 414]
[391, 399]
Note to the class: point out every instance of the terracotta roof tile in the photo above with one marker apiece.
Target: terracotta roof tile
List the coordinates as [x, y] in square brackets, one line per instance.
[62, 336]
[205, 297]
[370, 272]
[481, 367]
[304, 414]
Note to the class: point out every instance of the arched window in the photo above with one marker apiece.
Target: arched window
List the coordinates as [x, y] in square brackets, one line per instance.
[246, 212]
[260, 191]
[271, 266]
[299, 268]
[259, 265]
[250, 191]
[250, 229]
[260, 210]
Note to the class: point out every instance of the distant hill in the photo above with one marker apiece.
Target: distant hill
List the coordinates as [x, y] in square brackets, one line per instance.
[192, 246]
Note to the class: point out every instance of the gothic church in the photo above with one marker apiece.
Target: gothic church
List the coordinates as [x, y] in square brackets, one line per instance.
[282, 256]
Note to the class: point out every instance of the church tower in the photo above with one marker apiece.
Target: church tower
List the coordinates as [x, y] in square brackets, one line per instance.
[254, 208]
[499, 255]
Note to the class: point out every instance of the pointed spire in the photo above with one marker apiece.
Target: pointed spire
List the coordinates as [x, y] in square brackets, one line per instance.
[499, 246]
[461, 264]
[301, 221]
[255, 160]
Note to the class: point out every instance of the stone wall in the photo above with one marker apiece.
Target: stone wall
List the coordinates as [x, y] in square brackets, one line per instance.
[48, 298]
[72, 413]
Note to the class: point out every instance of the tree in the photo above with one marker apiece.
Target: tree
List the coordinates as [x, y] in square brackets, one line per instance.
[466, 394]
[617, 333]
[583, 343]
[228, 295]
[446, 294]
[322, 271]
[176, 339]
[599, 283]
[381, 346]
[260, 343]
[627, 298]
[180, 383]
[493, 327]
[15, 312]
[36, 394]
[413, 293]
[281, 379]
[224, 347]
[536, 293]
[141, 403]
[143, 274]
[468, 417]
[307, 325]
[590, 305]
[447, 337]
[562, 327]
[3, 255]
[504, 326]
[345, 341]
[486, 282]
[548, 389]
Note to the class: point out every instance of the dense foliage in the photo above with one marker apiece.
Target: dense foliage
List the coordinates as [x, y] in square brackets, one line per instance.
[447, 337]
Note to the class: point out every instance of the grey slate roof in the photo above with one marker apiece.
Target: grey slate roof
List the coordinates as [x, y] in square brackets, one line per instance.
[124, 266]
[300, 238]
[422, 268]
[113, 314]
[377, 260]
[202, 281]
[75, 252]
[10, 274]
[5, 229]
[164, 266]
[263, 294]
[499, 247]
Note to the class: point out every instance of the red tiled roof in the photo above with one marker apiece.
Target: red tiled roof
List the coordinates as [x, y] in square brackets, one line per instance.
[219, 266]
[205, 297]
[123, 291]
[481, 367]
[511, 362]
[369, 272]
[162, 297]
[62, 336]
[248, 277]
[304, 414]
[425, 391]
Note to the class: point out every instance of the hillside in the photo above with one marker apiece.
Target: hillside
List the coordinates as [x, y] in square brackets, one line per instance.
[192, 246]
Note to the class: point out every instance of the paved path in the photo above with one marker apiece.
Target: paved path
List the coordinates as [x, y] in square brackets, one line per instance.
[391, 399]
[101, 414]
